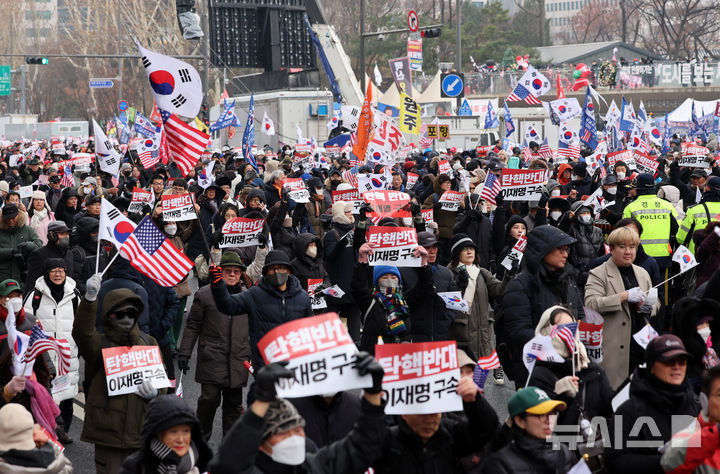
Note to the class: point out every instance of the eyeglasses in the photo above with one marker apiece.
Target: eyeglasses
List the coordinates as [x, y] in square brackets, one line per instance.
[563, 249]
[277, 268]
[57, 271]
[681, 361]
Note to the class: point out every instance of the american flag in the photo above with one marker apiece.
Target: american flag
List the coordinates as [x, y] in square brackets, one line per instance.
[185, 142]
[568, 151]
[164, 151]
[491, 189]
[489, 362]
[153, 255]
[68, 180]
[115, 181]
[566, 332]
[351, 176]
[545, 151]
[41, 342]
[520, 93]
[527, 154]
[603, 172]
[425, 141]
[147, 160]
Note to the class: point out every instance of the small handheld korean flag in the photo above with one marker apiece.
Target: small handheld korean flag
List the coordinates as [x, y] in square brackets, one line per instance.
[268, 127]
[175, 84]
[684, 258]
[114, 226]
[107, 158]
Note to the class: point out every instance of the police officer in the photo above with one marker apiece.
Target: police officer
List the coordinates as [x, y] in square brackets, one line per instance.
[699, 215]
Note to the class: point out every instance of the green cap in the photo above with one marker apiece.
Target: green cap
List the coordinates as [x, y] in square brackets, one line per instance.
[8, 286]
[231, 259]
[534, 401]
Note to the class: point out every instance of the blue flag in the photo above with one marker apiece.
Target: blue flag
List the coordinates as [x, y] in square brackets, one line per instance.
[693, 116]
[491, 120]
[248, 139]
[509, 125]
[627, 116]
[227, 118]
[588, 131]
[123, 132]
[666, 137]
[144, 126]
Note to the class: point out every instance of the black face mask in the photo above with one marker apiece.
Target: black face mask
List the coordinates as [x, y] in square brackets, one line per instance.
[277, 279]
[335, 183]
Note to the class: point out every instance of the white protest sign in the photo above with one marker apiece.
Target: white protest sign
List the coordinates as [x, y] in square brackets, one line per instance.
[516, 253]
[645, 335]
[393, 246]
[411, 180]
[321, 356]
[15, 160]
[26, 191]
[177, 207]
[373, 181]
[349, 195]
[644, 163]
[453, 300]
[334, 291]
[140, 197]
[127, 367]
[450, 200]
[694, 161]
[317, 299]
[297, 191]
[420, 377]
[241, 232]
[522, 185]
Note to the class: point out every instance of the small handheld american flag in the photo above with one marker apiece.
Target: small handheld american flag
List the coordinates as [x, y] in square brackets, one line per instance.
[489, 362]
[41, 342]
[491, 189]
[68, 180]
[566, 332]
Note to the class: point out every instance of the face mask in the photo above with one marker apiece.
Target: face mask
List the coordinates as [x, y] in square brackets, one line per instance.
[704, 333]
[585, 218]
[287, 222]
[215, 256]
[64, 242]
[612, 191]
[124, 323]
[555, 215]
[278, 279]
[407, 221]
[290, 451]
[555, 192]
[387, 284]
[311, 252]
[575, 177]
[620, 175]
[170, 229]
[16, 305]
[335, 183]
[318, 191]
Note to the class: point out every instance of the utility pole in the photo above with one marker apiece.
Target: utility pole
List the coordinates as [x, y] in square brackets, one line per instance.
[23, 89]
[458, 39]
[362, 46]
[119, 46]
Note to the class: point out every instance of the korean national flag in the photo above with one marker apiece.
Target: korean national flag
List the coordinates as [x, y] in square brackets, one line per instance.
[627, 116]
[107, 158]
[175, 84]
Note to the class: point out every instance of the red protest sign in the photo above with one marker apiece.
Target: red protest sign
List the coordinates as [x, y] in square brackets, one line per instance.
[411, 180]
[393, 246]
[622, 155]
[387, 203]
[241, 232]
[126, 368]
[178, 207]
[450, 200]
[349, 195]
[645, 163]
[444, 167]
[420, 377]
[297, 190]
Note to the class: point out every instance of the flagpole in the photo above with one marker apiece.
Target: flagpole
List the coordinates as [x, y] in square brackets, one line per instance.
[97, 255]
[109, 263]
[671, 278]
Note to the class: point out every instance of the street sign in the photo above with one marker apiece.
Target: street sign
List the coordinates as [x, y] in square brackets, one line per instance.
[122, 105]
[413, 22]
[5, 80]
[452, 85]
[100, 83]
[465, 109]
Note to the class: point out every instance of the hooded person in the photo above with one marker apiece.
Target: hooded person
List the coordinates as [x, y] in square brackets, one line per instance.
[85, 251]
[558, 208]
[313, 211]
[586, 391]
[19, 452]
[112, 424]
[444, 219]
[564, 174]
[514, 228]
[172, 440]
[254, 204]
[308, 262]
[580, 181]
[589, 239]
[547, 280]
[276, 299]
[282, 228]
[68, 205]
[17, 241]
[472, 222]
[40, 215]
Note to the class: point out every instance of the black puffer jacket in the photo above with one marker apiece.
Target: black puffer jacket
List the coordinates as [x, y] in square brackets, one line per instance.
[431, 321]
[339, 257]
[534, 290]
[686, 312]
[163, 413]
[649, 397]
[304, 267]
[593, 382]
[589, 243]
[476, 226]
[526, 455]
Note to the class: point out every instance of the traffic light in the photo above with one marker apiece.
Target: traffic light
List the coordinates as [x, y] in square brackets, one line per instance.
[431, 33]
[36, 60]
[205, 114]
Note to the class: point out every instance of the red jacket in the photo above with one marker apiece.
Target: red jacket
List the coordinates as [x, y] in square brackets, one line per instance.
[695, 446]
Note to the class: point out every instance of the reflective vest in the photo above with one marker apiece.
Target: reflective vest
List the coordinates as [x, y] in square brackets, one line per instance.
[696, 218]
[654, 214]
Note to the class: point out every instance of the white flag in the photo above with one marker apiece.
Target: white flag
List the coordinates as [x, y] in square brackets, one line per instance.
[350, 115]
[645, 335]
[378, 76]
[114, 226]
[612, 117]
[566, 109]
[300, 139]
[540, 348]
[532, 135]
[453, 300]
[18, 344]
[107, 158]
[684, 258]
[175, 84]
[268, 127]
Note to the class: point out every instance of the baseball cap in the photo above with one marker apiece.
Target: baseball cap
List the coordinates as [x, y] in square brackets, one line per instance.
[664, 348]
[8, 286]
[698, 173]
[534, 401]
[427, 239]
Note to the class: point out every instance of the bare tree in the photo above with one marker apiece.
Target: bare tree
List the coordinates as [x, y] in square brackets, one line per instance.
[597, 21]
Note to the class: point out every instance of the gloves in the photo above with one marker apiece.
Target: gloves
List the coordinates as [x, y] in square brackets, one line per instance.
[364, 209]
[462, 279]
[542, 202]
[202, 199]
[92, 287]
[16, 385]
[366, 364]
[183, 363]
[499, 199]
[215, 274]
[636, 295]
[645, 308]
[147, 390]
[262, 240]
[284, 195]
[267, 377]
[566, 386]
[415, 209]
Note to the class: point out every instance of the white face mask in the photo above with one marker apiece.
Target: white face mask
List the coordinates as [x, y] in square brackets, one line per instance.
[575, 177]
[290, 451]
[556, 215]
[311, 251]
[215, 256]
[612, 191]
[585, 218]
[385, 285]
[407, 221]
[15, 304]
[555, 192]
[704, 333]
[170, 229]
[620, 175]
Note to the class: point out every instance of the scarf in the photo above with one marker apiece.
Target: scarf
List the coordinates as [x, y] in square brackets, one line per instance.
[38, 217]
[395, 308]
[44, 409]
[171, 463]
[19, 317]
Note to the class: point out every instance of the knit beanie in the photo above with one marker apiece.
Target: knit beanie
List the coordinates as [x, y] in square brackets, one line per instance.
[281, 416]
[381, 270]
[16, 428]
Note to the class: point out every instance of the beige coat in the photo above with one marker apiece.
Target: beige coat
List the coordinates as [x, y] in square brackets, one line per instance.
[602, 293]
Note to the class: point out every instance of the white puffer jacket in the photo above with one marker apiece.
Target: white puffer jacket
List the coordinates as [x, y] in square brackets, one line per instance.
[57, 320]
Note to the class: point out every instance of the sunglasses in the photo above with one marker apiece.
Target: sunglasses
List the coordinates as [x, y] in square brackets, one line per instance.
[123, 314]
